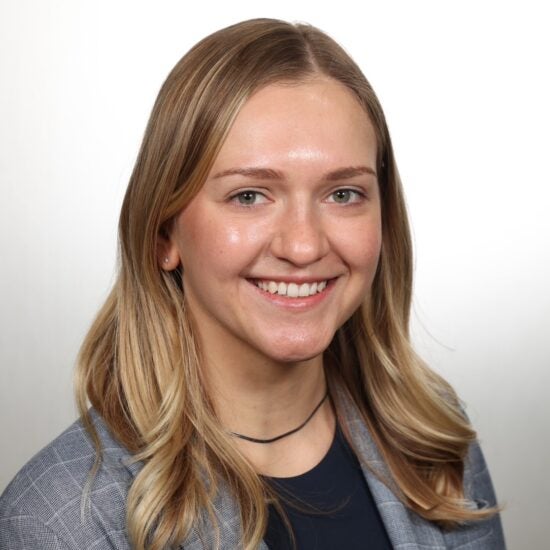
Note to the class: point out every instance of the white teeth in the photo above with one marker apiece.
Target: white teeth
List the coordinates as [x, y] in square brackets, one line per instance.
[292, 290]
[303, 290]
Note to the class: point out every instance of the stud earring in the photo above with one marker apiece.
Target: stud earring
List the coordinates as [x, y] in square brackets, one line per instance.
[166, 260]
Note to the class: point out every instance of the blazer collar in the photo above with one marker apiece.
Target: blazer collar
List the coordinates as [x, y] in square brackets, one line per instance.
[406, 530]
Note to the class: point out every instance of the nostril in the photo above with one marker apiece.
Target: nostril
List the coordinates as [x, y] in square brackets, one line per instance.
[300, 243]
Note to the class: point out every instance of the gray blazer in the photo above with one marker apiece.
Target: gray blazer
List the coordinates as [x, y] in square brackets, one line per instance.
[41, 508]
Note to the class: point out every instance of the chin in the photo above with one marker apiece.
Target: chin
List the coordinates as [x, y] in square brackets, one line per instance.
[295, 357]
[296, 350]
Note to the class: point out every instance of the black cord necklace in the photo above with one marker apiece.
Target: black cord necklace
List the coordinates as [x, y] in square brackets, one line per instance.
[276, 438]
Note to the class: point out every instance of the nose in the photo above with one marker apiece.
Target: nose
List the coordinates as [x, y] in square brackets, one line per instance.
[301, 236]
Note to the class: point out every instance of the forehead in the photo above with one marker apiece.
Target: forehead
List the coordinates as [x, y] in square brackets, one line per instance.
[317, 119]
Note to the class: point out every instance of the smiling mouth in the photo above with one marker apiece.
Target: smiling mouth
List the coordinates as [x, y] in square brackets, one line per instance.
[291, 290]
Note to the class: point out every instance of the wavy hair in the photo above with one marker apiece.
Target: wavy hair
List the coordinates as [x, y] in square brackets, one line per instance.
[139, 365]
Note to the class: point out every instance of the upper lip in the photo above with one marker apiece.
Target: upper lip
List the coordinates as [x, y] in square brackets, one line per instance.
[296, 280]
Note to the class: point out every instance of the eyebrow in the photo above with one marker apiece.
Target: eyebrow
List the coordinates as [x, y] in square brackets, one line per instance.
[271, 174]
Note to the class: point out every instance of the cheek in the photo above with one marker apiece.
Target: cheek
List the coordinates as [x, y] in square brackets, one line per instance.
[362, 253]
[236, 243]
[220, 245]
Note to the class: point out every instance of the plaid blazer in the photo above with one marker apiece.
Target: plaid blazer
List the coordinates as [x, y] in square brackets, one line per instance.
[41, 508]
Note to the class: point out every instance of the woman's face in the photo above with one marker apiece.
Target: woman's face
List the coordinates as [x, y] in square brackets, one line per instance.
[281, 244]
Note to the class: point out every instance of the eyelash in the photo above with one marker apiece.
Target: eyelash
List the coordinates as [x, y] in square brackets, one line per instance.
[360, 196]
[235, 198]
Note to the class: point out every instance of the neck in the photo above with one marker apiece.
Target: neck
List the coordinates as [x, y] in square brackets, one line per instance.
[264, 399]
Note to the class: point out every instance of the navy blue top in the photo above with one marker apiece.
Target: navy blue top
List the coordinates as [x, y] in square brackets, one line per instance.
[328, 507]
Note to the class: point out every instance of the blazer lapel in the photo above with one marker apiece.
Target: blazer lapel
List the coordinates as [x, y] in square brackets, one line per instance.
[405, 528]
[203, 535]
[228, 519]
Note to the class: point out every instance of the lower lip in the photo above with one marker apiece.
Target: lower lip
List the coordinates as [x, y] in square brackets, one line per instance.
[300, 302]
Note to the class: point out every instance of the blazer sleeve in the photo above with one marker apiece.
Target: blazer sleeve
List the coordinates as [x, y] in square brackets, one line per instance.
[23, 532]
[478, 488]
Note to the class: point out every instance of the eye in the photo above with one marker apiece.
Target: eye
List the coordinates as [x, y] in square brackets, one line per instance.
[248, 197]
[346, 196]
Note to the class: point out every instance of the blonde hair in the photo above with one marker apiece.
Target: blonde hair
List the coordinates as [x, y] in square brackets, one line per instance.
[139, 365]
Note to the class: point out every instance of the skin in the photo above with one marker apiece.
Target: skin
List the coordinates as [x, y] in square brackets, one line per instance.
[292, 196]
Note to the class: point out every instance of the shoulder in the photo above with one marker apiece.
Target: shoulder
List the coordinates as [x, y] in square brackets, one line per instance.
[44, 502]
[478, 489]
[477, 481]
[406, 525]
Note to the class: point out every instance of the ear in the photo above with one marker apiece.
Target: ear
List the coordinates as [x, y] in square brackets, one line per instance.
[168, 256]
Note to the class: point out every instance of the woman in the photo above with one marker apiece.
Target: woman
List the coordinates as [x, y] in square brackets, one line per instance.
[251, 378]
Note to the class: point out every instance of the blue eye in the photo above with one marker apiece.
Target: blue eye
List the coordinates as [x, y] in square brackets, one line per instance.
[248, 198]
[345, 196]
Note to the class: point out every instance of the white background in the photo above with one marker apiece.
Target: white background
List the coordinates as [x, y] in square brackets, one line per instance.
[466, 92]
